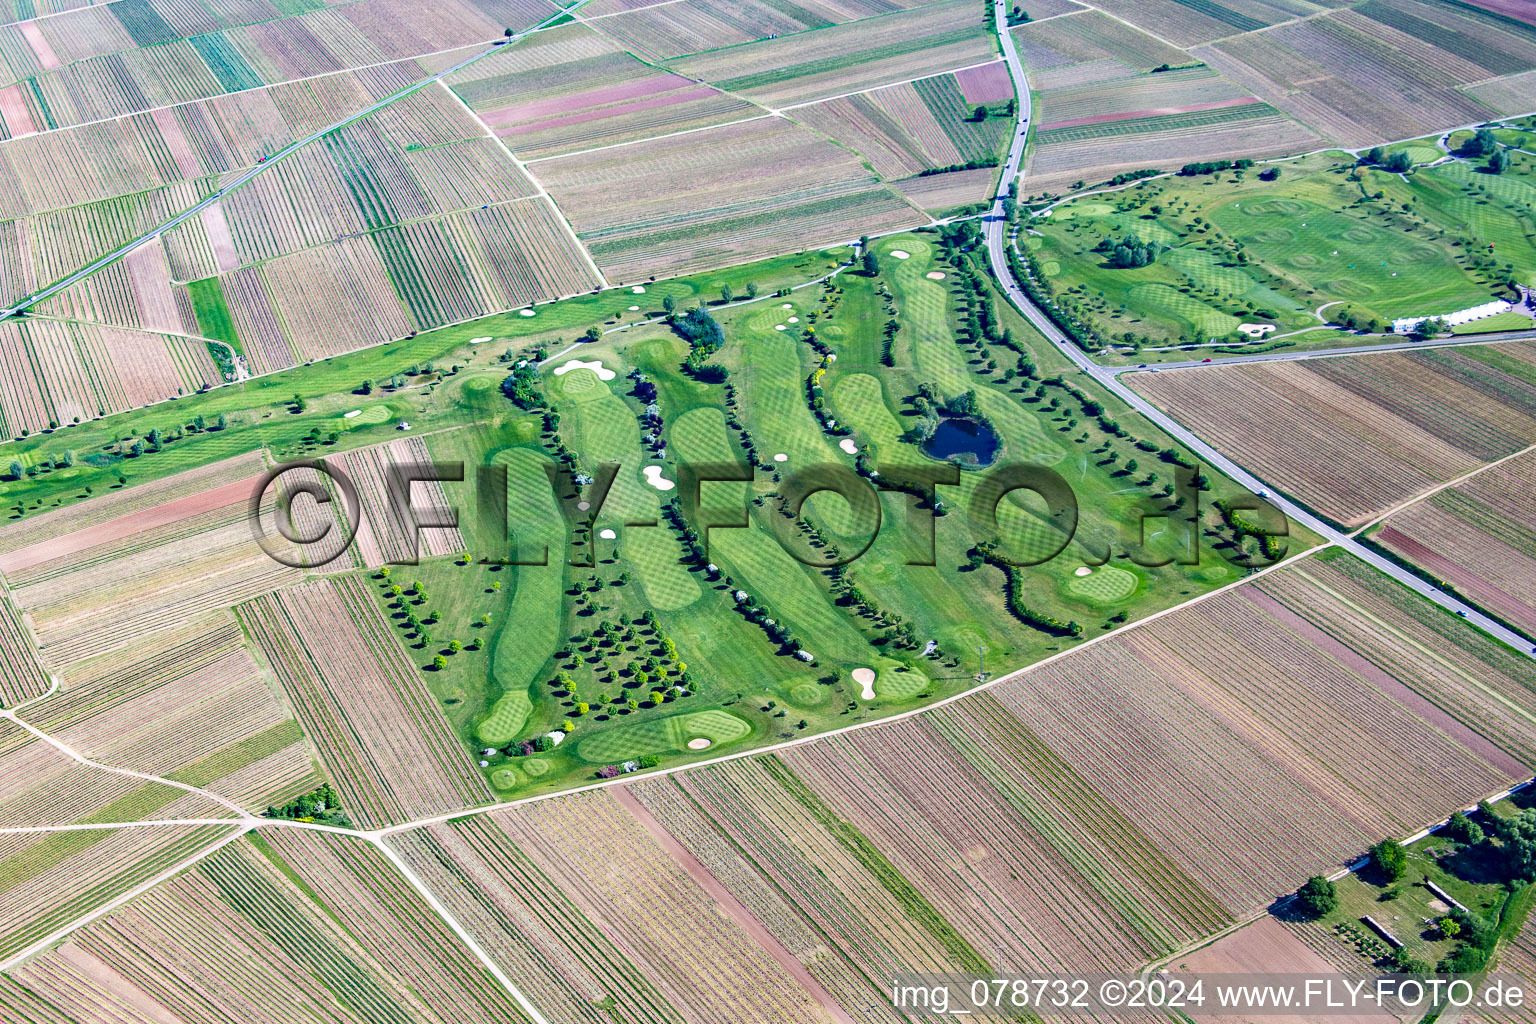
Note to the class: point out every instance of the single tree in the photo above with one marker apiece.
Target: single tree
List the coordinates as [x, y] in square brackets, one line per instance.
[1390, 859]
[870, 262]
[726, 293]
[454, 647]
[594, 334]
[439, 662]
[668, 304]
[979, 114]
[1499, 162]
[1317, 897]
[751, 289]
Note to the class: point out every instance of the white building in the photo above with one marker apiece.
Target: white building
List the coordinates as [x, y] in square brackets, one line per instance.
[1407, 324]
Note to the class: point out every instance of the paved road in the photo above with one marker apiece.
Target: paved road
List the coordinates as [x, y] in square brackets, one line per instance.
[1108, 377]
[1324, 353]
[292, 147]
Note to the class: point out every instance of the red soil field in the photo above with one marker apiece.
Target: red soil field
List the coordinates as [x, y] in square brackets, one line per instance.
[987, 84]
[127, 526]
[1126, 115]
[39, 44]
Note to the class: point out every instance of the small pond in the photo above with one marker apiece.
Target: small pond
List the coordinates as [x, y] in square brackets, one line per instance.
[968, 441]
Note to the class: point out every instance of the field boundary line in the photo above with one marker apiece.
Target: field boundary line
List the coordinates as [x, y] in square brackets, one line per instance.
[872, 723]
[464, 935]
[104, 826]
[542, 191]
[114, 903]
[1238, 359]
[1402, 506]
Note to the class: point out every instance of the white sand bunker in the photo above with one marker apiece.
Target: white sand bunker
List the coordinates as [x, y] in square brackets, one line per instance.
[1082, 570]
[901, 254]
[526, 312]
[655, 479]
[633, 308]
[479, 341]
[781, 457]
[935, 275]
[847, 445]
[1256, 330]
[607, 535]
[788, 305]
[594, 365]
[780, 327]
[865, 677]
[698, 743]
[349, 415]
[793, 320]
[638, 289]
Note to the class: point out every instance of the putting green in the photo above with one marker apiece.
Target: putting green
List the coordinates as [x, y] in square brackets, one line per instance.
[506, 718]
[372, 416]
[1107, 584]
[627, 741]
[535, 766]
[504, 778]
[896, 683]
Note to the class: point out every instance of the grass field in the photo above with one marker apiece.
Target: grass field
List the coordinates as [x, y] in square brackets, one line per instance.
[1234, 249]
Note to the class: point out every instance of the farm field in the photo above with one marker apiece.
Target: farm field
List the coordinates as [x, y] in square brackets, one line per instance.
[1476, 536]
[386, 747]
[1385, 69]
[573, 89]
[760, 187]
[1111, 98]
[1353, 436]
[847, 58]
[1327, 241]
[277, 923]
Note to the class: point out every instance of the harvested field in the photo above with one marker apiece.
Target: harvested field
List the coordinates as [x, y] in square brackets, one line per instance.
[385, 744]
[282, 928]
[1355, 435]
[848, 58]
[755, 189]
[1479, 536]
[1188, 23]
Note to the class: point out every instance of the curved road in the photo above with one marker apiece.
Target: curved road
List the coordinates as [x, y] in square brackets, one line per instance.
[1108, 377]
[123, 250]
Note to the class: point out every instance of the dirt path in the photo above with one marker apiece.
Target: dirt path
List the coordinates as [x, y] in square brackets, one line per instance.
[730, 904]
